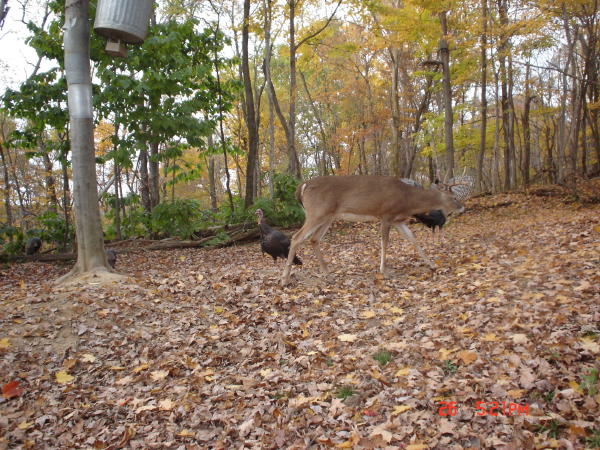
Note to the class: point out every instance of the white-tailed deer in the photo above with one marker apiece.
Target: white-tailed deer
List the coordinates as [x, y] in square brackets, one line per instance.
[364, 198]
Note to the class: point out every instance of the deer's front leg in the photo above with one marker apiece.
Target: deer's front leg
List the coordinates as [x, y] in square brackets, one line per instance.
[385, 237]
[402, 228]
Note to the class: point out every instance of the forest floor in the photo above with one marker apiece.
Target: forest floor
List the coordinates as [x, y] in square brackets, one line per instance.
[204, 349]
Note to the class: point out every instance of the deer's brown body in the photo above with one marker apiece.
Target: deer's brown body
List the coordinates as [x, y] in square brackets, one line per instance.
[364, 198]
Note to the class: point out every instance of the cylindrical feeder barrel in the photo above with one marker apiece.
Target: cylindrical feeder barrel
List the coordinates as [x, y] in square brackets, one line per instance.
[123, 20]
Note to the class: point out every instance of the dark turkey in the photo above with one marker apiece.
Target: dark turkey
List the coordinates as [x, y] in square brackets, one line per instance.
[111, 257]
[273, 241]
[33, 246]
[432, 219]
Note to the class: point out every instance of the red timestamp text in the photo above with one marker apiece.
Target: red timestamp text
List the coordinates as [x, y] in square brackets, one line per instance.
[486, 408]
[501, 408]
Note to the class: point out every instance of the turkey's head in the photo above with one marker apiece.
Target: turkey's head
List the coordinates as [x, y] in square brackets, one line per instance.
[259, 215]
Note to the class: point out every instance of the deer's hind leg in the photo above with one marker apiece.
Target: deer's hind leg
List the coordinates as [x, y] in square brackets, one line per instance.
[316, 239]
[310, 229]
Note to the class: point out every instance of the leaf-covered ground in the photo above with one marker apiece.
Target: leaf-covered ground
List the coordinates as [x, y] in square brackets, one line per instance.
[203, 349]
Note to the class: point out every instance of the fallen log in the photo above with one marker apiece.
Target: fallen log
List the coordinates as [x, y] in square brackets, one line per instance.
[239, 236]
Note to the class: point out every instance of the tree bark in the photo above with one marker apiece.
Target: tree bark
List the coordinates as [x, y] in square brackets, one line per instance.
[144, 181]
[395, 100]
[268, 14]
[293, 161]
[212, 185]
[154, 175]
[7, 205]
[90, 254]
[505, 103]
[447, 89]
[483, 106]
[250, 113]
[50, 182]
[66, 199]
[526, 134]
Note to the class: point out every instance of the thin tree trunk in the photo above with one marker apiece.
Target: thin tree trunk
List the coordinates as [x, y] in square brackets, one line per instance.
[222, 133]
[49, 177]
[512, 122]
[293, 163]
[154, 175]
[90, 244]
[496, 161]
[447, 89]
[250, 113]
[526, 130]
[7, 205]
[144, 181]
[66, 197]
[212, 185]
[584, 141]
[395, 101]
[483, 107]
[505, 103]
[117, 173]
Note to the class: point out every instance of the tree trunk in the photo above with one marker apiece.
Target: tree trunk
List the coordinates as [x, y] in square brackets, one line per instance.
[144, 181]
[496, 161]
[505, 103]
[526, 131]
[268, 14]
[66, 198]
[512, 121]
[447, 89]
[293, 162]
[212, 185]
[395, 100]
[90, 251]
[154, 175]
[7, 206]
[250, 113]
[483, 107]
[49, 177]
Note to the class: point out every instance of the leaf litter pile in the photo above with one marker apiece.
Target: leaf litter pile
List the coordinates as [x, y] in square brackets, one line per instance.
[204, 349]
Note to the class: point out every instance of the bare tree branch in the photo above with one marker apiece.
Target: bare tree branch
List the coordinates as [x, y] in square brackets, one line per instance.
[312, 35]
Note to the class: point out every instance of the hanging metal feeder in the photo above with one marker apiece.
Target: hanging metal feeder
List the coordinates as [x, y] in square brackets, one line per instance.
[122, 22]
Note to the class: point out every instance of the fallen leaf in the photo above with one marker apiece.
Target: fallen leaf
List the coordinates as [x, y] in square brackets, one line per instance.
[125, 380]
[519, 338]
[590, 345]
[11, 389]
[63, 377]
[158, 375]
[4, 343]
[576, 387]
[88, 358]
[367, 314]
[186, 433]
[145, 408]
[403, 372]
[24, 425]
[166, 405]
[381, 431]
[490, 337]
[347, 337]
[467, 356]
[516, 393]
[399, 409]
[246, 426]
[139, 368]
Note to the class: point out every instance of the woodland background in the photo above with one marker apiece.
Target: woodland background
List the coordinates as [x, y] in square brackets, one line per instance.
[229, 103]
